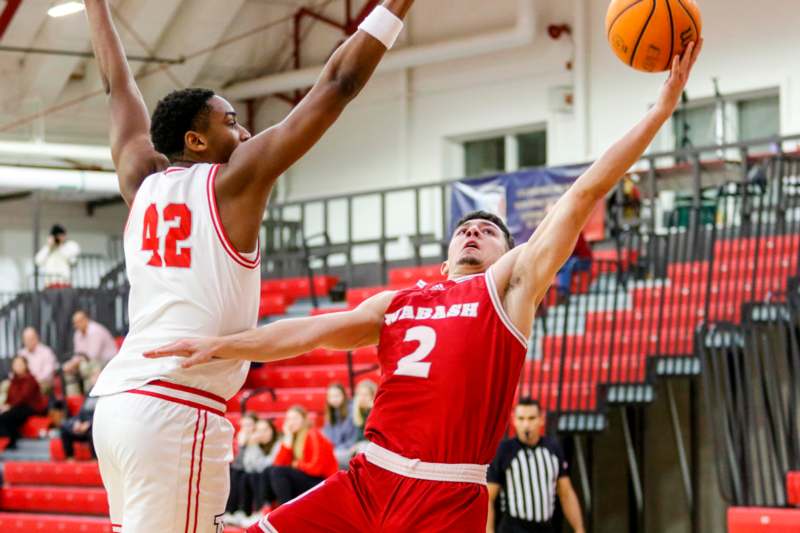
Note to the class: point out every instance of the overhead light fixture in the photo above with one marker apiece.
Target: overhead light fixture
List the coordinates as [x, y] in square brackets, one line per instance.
[65, 8]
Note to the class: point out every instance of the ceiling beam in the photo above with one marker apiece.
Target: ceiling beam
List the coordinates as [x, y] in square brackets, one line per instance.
[86, 54]
[215, 18]
[10, 197]
[92, 205]
[8, 14]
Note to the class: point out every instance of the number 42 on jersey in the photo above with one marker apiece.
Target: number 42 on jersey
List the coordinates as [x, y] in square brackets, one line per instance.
[179, 219]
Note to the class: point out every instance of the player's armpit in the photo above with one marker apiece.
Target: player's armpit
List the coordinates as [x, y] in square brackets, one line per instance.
[134, 161]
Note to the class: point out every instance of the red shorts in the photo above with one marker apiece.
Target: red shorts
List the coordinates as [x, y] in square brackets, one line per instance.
[369, 499]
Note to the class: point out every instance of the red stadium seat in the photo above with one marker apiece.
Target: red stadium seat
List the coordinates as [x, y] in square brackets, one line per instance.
[358, 295]
[793, 488]
[61, 474]
[273, 304]
[74, 404]
[299, 287]
[408, 276]
[310, 398]
[36, 427]
[763, 520]
[43, 523]
[302, 376]
[82, 451]
[72, 500]
[322, 356]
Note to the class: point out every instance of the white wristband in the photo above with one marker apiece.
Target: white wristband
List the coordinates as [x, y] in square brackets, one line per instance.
[383, 25]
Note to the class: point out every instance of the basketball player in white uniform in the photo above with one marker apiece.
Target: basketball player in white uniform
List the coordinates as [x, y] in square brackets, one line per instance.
[197, 185]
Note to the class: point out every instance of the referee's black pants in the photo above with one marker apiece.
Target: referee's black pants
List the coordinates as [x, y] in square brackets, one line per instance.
[514, 525]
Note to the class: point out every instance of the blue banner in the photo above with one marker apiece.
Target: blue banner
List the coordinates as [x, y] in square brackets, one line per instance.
[520, 198]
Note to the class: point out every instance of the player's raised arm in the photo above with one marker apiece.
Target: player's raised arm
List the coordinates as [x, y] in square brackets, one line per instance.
[256, 164]
[131, 147]
[287, 338]
[525, 274]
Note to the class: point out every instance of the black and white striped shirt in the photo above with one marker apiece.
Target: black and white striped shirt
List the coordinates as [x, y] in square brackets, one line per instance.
[527, 476]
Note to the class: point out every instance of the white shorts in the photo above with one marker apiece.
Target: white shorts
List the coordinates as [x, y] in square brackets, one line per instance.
[164, 452]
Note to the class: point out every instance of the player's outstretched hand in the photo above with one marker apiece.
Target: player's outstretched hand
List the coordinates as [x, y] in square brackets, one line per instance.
[678, 76]
[196, 351]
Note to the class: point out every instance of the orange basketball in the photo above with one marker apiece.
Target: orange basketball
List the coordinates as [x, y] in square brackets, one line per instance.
[647, 34]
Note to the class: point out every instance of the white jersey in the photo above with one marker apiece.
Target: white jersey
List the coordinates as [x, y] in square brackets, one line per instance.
[187, 280]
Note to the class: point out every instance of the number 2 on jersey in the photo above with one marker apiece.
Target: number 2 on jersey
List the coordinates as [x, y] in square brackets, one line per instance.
[173, 255]
[413, 365]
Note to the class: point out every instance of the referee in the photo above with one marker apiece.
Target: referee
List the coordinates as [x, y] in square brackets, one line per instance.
[527, 473]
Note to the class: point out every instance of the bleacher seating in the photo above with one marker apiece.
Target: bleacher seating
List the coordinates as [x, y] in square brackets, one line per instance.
[53, 497]
[659, 321]
[278, 294]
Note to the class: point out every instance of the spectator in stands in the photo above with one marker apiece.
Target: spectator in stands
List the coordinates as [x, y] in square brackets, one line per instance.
[56, 259]
[304, 460]
[339, 427]
[41, 359]
[527, 501]
[579, 261]
[79, 427]
[24, 400]
[624, 206]
[253, 488]
[247, 425]
[93, 345]
[363, 400]
[258, 457]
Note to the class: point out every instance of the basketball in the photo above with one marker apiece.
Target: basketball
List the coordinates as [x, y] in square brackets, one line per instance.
[647, 34]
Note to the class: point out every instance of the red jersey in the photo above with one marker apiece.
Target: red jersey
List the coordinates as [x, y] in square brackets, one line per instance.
[450, 361]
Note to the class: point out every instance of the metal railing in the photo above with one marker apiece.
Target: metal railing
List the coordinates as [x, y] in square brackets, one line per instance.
[644, 314]
[96, 285]
[749, 345]
[410, 223]
[85, 274]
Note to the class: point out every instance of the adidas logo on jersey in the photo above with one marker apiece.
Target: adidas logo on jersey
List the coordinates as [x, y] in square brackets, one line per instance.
[409, 312]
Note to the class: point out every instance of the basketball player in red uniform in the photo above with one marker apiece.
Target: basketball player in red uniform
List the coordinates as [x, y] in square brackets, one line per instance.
[450, 356]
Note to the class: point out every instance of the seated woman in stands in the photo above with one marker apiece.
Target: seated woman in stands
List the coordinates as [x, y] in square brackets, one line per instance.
[233, 510]
[339, 427]
[251, 489]
[304, 460]
[23, 401]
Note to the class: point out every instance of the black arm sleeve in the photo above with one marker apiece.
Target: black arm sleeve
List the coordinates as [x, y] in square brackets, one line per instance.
[563, 464]
[495, 473]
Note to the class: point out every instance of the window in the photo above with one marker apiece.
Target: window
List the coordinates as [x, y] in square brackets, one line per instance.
[505, 154]
[759, 118]
[532, 149]
[485, 157]
[737, 118]
[695, 126]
